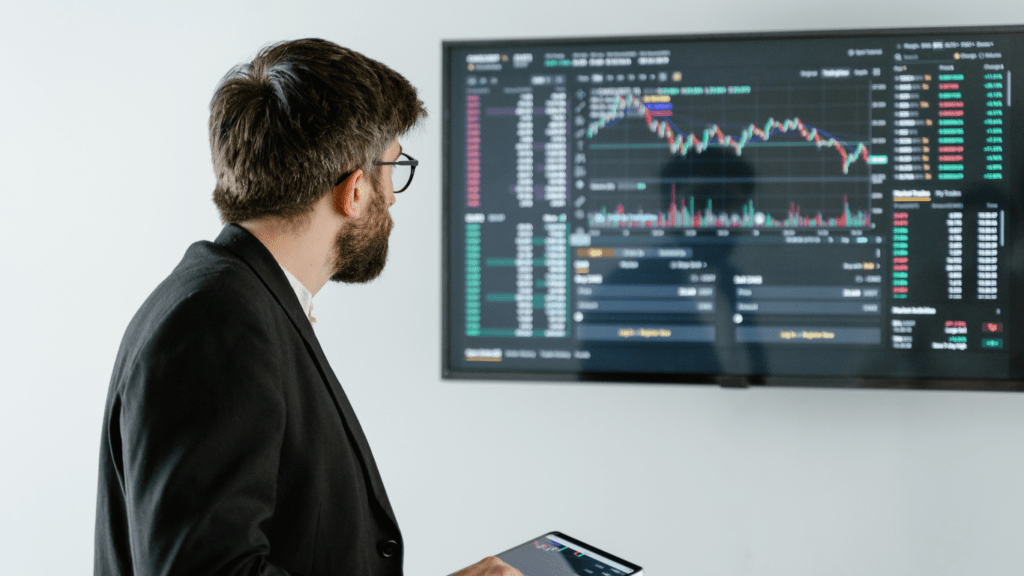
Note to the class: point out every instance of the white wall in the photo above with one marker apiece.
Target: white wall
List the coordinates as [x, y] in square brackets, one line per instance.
[105, 180]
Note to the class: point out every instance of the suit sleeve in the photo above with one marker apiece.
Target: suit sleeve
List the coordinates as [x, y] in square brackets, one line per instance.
[202, 422]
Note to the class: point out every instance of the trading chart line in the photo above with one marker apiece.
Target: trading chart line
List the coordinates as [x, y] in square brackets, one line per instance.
[681, 144]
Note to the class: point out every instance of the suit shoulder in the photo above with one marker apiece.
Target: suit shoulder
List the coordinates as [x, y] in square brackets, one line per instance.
[208, 276]
[212, 296]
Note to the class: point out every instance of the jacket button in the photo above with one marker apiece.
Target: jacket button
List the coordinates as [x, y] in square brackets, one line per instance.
[387, 549]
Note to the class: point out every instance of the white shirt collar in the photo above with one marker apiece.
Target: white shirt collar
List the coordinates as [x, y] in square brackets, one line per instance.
[304, 295]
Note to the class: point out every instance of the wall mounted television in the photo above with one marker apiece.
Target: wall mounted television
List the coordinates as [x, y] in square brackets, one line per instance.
[831, 208]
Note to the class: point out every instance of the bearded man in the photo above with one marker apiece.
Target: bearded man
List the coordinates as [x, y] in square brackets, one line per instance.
[228, 445]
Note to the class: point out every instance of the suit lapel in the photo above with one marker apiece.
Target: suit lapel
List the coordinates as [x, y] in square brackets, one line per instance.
[247, 247]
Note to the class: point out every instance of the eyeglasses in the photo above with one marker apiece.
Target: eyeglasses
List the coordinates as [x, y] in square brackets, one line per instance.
[402, 172]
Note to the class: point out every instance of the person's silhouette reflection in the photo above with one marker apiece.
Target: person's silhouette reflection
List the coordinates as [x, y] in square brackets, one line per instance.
[714, 190]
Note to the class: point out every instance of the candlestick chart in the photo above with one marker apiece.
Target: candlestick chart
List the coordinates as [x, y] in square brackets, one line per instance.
[741, 157]
[548, 547]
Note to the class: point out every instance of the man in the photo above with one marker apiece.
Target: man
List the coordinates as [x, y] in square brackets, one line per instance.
[228, 444]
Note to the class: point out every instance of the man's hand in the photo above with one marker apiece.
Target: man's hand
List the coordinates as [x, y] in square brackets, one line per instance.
[490, 566]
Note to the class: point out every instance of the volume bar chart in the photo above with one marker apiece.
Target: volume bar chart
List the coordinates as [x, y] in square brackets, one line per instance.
[687, 215]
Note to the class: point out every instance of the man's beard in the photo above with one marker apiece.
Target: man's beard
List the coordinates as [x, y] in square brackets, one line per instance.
[362, 247]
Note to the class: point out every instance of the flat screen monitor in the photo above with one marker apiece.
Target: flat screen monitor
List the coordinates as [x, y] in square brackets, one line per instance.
[834, 208]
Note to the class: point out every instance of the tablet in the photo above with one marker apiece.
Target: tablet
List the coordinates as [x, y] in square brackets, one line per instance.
[555, 554]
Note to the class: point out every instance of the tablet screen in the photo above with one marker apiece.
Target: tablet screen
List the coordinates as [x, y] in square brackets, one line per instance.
[555, 555]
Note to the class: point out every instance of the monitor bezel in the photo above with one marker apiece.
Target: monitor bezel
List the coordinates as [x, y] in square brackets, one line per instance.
[450, 372]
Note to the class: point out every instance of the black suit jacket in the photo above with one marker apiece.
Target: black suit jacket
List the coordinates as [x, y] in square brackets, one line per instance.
[228, 445]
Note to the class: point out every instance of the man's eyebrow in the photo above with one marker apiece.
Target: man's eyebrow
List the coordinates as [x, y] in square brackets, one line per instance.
[400, 151]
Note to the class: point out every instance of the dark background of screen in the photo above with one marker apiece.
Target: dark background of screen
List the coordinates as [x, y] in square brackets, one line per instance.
[771, 66]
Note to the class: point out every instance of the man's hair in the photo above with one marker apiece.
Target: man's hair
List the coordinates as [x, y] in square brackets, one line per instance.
[286, 126]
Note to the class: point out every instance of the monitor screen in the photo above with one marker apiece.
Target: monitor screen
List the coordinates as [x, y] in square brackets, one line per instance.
[838, 208]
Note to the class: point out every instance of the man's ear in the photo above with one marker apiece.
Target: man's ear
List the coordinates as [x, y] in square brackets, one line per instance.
[349, 196]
